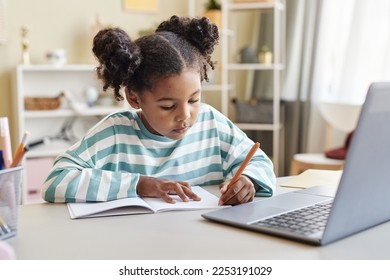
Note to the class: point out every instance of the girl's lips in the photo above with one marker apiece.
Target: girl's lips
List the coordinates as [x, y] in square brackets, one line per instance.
[181, 130]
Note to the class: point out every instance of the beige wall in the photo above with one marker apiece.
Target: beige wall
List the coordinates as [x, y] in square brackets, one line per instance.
[65, 24]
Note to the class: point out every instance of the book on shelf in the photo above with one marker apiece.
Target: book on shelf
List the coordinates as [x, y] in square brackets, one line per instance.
[144, 205]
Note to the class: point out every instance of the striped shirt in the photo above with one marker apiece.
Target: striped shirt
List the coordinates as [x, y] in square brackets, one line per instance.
[107, 162]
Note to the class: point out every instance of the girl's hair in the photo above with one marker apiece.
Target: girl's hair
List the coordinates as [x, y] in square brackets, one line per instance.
[178, 43]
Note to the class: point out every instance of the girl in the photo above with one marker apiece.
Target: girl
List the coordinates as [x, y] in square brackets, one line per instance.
[171, 141]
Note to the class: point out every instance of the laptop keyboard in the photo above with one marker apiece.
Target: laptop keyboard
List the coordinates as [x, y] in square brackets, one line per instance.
[305, 221]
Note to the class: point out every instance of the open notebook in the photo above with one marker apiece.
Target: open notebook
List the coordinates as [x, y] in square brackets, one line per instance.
[138, 205]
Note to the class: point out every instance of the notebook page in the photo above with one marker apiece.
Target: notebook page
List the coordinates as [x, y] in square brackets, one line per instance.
[131, 205]
[208, 201]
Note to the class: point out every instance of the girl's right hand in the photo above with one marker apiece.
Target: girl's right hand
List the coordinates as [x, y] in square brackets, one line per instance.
[163, 188]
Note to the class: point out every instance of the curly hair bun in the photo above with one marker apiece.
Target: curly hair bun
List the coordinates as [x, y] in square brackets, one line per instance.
[200, 32]
[118, 57]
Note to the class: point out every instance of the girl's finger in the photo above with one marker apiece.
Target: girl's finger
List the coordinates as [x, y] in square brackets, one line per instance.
[167, 198]
[189, 193]
[178, 188]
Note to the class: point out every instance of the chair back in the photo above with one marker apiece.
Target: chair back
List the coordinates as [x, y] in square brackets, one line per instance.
[342, 117]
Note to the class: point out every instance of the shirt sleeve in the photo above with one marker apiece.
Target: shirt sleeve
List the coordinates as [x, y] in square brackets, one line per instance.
[74, 180]
[236, 146]
[259, 169]
[90, 169]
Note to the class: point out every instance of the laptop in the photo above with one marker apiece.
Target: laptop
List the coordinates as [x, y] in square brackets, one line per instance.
[361, 201]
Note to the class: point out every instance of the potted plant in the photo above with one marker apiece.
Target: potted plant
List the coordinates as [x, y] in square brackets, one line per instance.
[213, 5]
[213, 12]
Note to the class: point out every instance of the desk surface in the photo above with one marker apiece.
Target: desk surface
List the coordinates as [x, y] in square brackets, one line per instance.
[47, 232]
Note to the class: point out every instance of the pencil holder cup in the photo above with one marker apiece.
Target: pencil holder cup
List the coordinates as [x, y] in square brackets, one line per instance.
[10, 189]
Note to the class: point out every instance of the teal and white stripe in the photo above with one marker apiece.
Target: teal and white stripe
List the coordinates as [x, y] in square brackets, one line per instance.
[107, 162]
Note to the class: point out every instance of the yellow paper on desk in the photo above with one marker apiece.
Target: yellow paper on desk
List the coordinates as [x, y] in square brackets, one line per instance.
[314, 177]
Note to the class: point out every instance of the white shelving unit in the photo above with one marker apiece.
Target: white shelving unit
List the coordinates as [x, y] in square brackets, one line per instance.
[214, 88]
[230, 67]
[50, 81]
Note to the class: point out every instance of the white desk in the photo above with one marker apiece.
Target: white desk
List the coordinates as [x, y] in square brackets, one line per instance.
[47, 232]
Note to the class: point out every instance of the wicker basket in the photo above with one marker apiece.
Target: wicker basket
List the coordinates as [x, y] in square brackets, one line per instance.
[43, 103]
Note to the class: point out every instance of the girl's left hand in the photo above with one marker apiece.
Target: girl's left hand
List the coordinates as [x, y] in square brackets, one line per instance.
[240, 192]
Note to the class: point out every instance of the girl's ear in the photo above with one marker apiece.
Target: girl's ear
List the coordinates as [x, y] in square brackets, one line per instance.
[133, 99]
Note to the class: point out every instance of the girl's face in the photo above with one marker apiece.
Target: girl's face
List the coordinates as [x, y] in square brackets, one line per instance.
[172, 106]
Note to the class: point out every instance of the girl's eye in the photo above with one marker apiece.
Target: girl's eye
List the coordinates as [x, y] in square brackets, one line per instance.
[167, 108]
[194, 101]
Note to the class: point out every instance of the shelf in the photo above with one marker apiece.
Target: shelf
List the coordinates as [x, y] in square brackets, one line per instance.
[215, 87]
[55, 68]
[259, 126]
[250, 6]
[254, 66]
[51, 149]
[211, 87]
[93, 111]
[255, 6]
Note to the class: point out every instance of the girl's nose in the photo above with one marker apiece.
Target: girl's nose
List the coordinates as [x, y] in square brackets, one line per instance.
[183, 114]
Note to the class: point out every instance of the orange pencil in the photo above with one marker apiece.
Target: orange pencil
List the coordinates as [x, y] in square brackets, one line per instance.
[244, 163]
[19, 157]
[20, 151]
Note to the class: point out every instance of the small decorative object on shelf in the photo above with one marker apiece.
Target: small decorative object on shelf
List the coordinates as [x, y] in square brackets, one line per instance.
[248, 55]
[91, 95]
[25, 46]
[57, 57]
[265, 55]
[213, 12]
